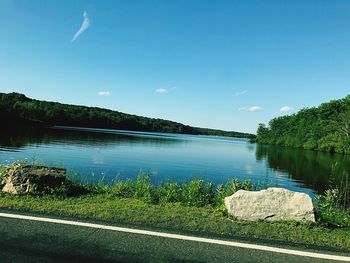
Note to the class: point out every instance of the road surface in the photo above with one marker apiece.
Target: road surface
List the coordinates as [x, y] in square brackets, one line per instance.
[25, 240]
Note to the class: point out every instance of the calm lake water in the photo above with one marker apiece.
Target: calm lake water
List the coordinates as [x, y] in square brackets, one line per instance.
[93, 155]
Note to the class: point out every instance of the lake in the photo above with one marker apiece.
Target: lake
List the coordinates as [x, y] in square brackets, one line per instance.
[104, 156]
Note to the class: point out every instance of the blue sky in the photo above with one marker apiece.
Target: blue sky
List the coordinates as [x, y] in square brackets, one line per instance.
[217, 64]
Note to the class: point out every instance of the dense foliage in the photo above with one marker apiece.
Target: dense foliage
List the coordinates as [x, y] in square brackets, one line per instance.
[325, 128]
[17, 108]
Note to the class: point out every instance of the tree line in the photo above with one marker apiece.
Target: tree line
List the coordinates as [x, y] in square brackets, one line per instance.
[324, 128]
[17, 109]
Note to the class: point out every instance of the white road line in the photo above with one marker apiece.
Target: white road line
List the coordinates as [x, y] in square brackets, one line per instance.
[181, 237]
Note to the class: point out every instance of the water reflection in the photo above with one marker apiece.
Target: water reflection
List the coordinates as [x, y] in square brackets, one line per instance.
[316, 170]
[20, 138]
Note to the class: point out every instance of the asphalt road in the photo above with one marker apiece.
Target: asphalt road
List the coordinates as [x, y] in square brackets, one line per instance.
[33, 241]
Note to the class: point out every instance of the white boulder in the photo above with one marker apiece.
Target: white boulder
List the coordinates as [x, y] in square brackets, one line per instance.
[272, 204]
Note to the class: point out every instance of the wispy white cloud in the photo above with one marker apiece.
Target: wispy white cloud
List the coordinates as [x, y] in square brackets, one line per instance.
[84, 26]
[239, 93]
[251, 109]
[286, 109]
[162, 90]
[165, 90]
[103, 93]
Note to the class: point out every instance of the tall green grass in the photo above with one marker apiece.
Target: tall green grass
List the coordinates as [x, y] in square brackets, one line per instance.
[3, 171]
[196, 192]
[333, 207]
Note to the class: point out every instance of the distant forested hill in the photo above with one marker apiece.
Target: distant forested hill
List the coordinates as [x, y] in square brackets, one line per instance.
[325, 128]
[17, 109]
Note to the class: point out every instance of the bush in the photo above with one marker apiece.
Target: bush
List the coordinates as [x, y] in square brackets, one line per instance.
[234, 185]
[198, 193]
[195, 192]
[3, 171]
[329, 209]
[310, 144]
[230, 188]
[331, 143]
[143, 187]
[170, 193]
[123, 188]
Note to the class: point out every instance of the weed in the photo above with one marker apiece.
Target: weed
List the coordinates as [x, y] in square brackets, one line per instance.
[329, 210]
[123, 188]
[3, 171]
[170, 193]
[234, 185]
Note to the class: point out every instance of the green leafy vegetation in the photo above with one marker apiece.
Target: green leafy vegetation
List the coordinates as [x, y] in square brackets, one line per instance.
[3, 171]
[330, 211]
[325, 128]
[19, 110]
[333, 208]
[196, 192]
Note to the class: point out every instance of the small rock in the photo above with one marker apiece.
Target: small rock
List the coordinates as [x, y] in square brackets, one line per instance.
[22, 178]
[272, 204]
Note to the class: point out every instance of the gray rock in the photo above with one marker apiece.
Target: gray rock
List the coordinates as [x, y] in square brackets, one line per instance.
[22, 178]
[272, 204]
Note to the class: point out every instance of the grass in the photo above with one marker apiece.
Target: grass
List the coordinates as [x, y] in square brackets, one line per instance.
[330, 209]
[3, 171]
[196, 205]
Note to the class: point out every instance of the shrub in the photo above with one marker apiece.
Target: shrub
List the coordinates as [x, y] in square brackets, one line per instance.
[143, 187]
[234, 185]
[329, 209]
[123, 188]
[310, 144]
[198, 193]
[3, 171]
[170, 193]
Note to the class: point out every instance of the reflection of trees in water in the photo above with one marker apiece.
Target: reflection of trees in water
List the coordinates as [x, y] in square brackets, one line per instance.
[18, 138]
[316, 170]
[250, 147]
